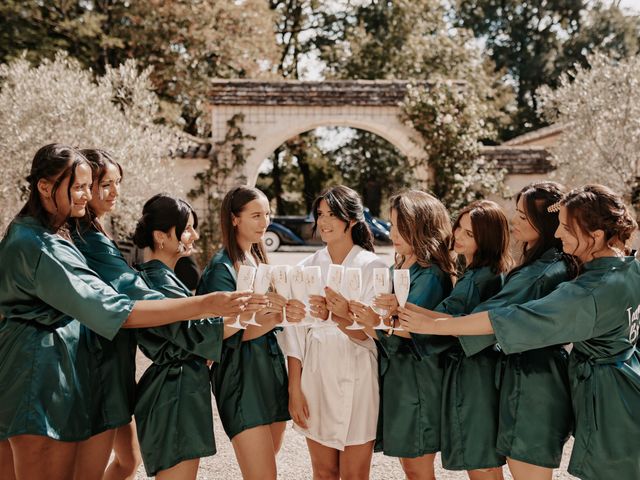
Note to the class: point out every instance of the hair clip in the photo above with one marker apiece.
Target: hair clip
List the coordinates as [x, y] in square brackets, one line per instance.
[555, 207]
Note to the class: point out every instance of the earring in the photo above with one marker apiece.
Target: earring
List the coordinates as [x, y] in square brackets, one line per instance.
[161, 245]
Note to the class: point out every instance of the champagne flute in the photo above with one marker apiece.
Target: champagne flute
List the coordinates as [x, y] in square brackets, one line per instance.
[401, 285]
[280, 278]
[313, 281]
[353, 290]
[261, 286]
[244, 281]
[334, 282]
[381, 285]
[299, 288]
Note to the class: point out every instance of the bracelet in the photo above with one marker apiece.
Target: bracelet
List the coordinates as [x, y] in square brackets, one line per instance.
[393, 319]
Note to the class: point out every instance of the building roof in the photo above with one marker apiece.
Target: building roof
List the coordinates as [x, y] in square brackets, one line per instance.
[536, 135]
[325, 93]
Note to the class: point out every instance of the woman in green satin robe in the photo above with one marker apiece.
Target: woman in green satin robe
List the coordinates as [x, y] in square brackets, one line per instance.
[173, 398]
[599, 312]
[114, 362]
[250, 381]
[410, 371]
[470, 398]
[535, 406]
[47, 293]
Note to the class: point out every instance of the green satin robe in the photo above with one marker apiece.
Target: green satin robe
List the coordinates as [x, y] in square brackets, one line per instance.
[173, 399]
[250, 381]
[470, 399]
[599, 312]
[47, 293]
[113, 362]
[535, 402]
[411, 378]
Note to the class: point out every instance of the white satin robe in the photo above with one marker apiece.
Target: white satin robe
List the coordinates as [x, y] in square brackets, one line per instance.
[339, 374]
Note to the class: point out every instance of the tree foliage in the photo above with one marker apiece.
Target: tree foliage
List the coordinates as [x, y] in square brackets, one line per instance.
[601, 110]
[450, 122]
[59, 101]
[535, 42]
[187, 42]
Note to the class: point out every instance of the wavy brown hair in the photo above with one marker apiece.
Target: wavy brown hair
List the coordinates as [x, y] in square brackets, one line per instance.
[596, 207]
[233, 204]
[491, 234]
[424, 223]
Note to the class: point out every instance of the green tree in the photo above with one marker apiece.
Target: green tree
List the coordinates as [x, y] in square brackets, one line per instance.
[62, 102]
[187, 42]
[536, 41]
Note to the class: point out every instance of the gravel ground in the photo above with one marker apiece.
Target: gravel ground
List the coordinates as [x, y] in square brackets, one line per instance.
[293, 460]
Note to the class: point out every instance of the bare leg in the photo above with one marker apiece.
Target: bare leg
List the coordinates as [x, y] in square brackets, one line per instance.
[419, 468]
[526, 471]
[486, 474]
[325, 461]
[127, 454]
[187, 470]
[277, 435]
[7, 471]
[35, 456]
[355, 461]
[255, 454]
[93, 456]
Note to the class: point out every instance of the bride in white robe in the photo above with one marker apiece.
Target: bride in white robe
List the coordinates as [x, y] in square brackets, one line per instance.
[333, 373]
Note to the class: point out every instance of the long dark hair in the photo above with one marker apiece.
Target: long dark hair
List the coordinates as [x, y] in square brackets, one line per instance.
[423, 222]
[233, 204]
[162, 212]
[491, 234]
[537, 198]
[596, 207]
[54, 162]
[346, 205]
[99, 161]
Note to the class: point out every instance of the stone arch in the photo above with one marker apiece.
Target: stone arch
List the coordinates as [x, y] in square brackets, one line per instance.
[274, 112]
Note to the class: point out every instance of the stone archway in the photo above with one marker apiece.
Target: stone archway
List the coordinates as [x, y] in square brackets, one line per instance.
[274, 112]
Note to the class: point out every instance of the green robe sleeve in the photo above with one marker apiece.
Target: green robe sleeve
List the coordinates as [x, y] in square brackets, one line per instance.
[202, 338]
[220, 276]
[66, 283]
[567, 314]
[463, 297]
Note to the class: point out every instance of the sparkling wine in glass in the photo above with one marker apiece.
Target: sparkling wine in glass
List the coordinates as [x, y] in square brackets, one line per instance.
[334, 282]
[353, 290]
[313, 282]
[244, 281]
[299, 288]
[261, 286]
[381, 285]
[280, 278]
[401, 284]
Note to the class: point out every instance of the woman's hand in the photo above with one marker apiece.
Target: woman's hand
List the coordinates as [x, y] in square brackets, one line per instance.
[318, 307]
[415, 322]
[387, 302]
[256, 303]
[363, 314]
[336, 303]
[226, 304]
[298, 408]
[272, 311]
[296, 311]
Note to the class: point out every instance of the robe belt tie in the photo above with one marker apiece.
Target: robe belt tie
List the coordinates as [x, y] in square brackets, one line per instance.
[585, 366]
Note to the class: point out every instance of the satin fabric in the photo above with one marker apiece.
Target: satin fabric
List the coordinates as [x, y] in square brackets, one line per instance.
[411, 376]
[113, 362]
[470, 399]
[339, 374]
[535, 417]
[173, 399]
[47, 293]
[250, 381]
[599, 313]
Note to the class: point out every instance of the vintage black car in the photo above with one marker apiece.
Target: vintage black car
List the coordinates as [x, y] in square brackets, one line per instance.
[298, 230]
